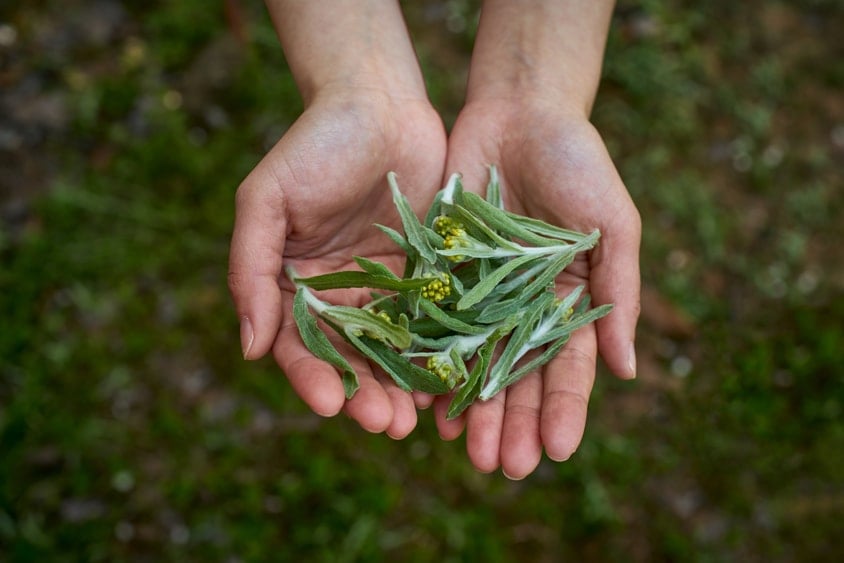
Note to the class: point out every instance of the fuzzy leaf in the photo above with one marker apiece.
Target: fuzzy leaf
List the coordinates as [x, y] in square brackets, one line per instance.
[353, 278]
[479, 223]
[457, 360]
[414, 230]
[407, 375]
[470, 390]
[576, 322]
[546, 229]
[352, 318]
[503, 221]
[374, 268]
[317, 342]
[546, 356]
[397, 238]
[487, 284]
[501, 309]
[431, 328]
[493, 189]
[447, 320]
[517, 346]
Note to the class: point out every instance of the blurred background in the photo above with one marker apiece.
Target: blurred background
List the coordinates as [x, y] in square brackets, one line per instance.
[131, 430]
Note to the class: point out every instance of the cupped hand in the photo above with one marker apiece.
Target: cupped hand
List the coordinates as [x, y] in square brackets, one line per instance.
[311, 204]
[555, 167]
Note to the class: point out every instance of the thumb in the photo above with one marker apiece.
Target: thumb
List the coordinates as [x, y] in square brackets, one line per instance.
[615, 279]
[255, 261]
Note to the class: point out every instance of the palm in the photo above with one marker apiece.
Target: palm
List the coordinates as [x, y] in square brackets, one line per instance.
[553, 167]
[334, 162]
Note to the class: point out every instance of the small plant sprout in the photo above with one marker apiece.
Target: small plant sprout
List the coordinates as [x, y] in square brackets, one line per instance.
[479, 290]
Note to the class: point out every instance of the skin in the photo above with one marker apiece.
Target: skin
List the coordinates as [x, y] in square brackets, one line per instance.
[310, 203]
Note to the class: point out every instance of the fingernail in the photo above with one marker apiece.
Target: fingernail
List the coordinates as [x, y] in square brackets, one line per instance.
[247, 336]
[510, 477]
[631, 361]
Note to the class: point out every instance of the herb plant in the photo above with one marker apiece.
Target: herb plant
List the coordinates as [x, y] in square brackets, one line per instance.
[477, 279]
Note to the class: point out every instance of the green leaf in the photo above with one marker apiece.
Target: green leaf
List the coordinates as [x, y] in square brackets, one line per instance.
[433, 211]
[353, 278]
[374, 268]
[429, 327]
[470, 390]
[352, 318]
[397, 238]
[576, 322]
[503, 222]
[407, 375]
[457, 360]
[414, 230]
[478, 250]
[451, 193]
[518, 345]
[569, 300]
[517, 282]
[434, 344]
[489, 283]
[448, 321]
[546, 229]
[501, 309]
[317, 342]
[493, 189]
[546, 356]
[479, 223]
[557, 339]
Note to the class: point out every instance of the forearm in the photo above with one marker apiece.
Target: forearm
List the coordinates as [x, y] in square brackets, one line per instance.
[535, 47]
[347, 43]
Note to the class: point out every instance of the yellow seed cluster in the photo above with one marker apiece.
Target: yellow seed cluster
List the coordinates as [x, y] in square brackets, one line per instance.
[439, 367]
[452, 241]
[382, 314]
[438, 289]
[568, 312]
[444, 225]
[451, 230]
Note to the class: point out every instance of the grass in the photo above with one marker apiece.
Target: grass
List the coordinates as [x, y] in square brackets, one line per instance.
[131, 430]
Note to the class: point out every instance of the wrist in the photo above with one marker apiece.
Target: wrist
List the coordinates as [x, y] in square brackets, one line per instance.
[368, 83]
[353, 44]
[543, 50]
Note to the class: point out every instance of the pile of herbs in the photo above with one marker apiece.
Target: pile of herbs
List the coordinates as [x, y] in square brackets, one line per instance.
[477, 278]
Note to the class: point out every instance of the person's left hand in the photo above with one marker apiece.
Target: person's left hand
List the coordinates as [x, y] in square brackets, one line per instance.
[553, 166]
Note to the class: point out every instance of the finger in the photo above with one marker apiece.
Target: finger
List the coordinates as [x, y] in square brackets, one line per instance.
[255, 262]
[315, 381]
[521, 444]
[614, 278]
[484, 420]
[422, 400]
[448, 429]
[371, 406]
[467, 156]
[404, 409]
[567, 384]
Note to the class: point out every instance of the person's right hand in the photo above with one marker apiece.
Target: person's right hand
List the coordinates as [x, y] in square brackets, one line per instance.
[311, 204]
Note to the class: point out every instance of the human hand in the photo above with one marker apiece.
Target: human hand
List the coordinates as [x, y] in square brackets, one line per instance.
[553, 166]
[310, 204]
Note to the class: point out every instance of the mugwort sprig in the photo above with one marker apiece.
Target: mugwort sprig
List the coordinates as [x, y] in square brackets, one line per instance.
[478, 290]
